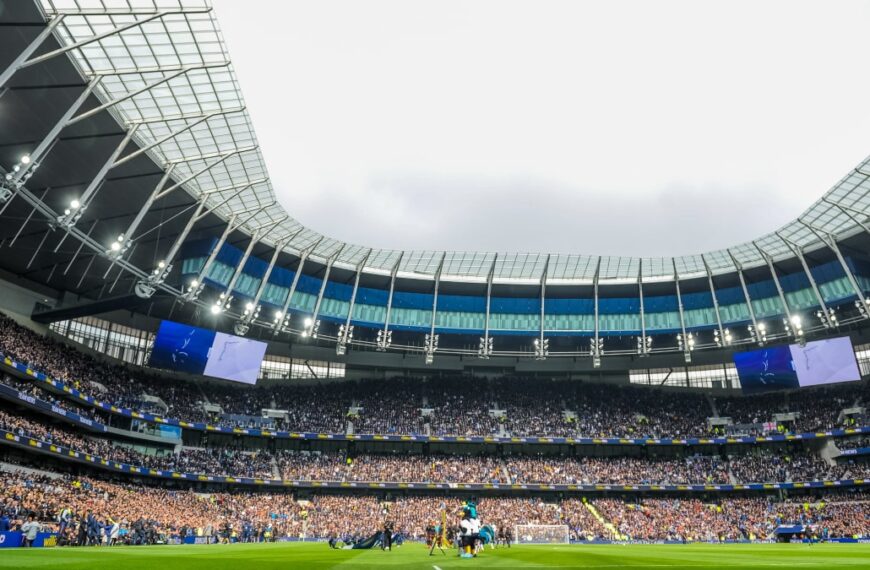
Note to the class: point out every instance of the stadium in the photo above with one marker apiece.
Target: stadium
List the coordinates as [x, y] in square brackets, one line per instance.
[193, 378]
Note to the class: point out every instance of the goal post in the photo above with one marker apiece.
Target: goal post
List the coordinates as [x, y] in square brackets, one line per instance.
[541, 534]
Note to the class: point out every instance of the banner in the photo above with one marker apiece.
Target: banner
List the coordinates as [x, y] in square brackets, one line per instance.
[10, 393]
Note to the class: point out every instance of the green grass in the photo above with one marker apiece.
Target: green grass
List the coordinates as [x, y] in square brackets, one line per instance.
[319, 555]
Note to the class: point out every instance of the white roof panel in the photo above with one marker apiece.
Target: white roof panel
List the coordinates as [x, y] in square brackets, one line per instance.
[180, 53]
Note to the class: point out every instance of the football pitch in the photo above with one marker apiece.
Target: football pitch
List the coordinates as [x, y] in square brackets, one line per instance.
[319, 555]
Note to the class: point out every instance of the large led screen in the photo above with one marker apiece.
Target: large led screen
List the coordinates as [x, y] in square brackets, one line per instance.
[770, 368]
[193, 350]
[792, 366]
[825, 362]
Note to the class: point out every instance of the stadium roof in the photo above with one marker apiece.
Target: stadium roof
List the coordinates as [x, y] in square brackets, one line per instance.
[165, 68]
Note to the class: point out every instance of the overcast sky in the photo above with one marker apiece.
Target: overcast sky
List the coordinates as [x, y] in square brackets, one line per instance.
[605, 127]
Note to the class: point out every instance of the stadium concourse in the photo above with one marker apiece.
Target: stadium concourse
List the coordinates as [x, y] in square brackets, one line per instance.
[185, 364]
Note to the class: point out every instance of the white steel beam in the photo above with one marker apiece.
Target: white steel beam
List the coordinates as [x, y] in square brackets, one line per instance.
[28, 51]
[104, 35]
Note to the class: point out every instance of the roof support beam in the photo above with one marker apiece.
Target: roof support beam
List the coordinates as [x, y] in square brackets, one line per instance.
[485, 350]
[123, 241]
[72, 215]
[431, 340]
[147, 87]
[385, 336]
[50, 215]
[597, 343]
[312, 329]
[168, 137]
[345, 334]
[109, 33]
[688, 343]
[831, 241]
[541, 344]
[279, 247]
[715, 300]
[282, 319]
[226, 298]
[184, 116]
[234, 223]
[147, 287]
[851, 212]
[19, 61]
[745, 294]
[120, 245]
[827, 316]
[769, 261]
[224, 157]
[236, 191]
[79, 249]
[41, 150]
[644, 346]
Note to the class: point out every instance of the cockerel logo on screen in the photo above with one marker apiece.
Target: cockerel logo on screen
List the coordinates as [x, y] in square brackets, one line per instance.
[180, 355]
[766, 374]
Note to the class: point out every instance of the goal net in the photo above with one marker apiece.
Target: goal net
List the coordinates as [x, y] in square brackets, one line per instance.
[541, 534]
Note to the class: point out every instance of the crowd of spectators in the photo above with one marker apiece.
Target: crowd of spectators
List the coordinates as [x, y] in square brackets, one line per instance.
[212, 461]
[433, 406]
[836, 515]
[853, 443]
[756, 466]
[618, 470]
[160, 515]
[765, 466]
[817, 409]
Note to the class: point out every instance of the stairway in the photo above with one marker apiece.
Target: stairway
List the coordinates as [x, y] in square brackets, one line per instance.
[712, 401]
[609, 526]
[505, 473]
[276, 472]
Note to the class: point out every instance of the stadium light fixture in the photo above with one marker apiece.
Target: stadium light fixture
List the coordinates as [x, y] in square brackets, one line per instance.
[542, 348]
[794, 327]
[13, 181]
[484, 349]
[311, 328]
[596, 349]
[384, 340]
[430, 346]
[758, 334]
[119, 246]
[345, 335]
[725, 339]
[644, 345]
[827, 318]
[686, 344]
